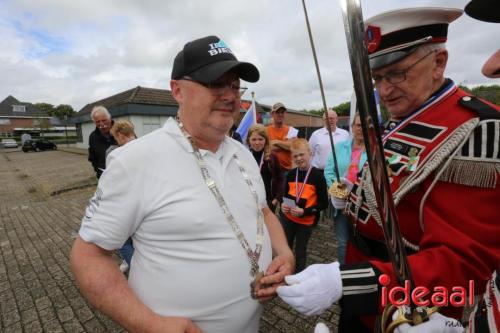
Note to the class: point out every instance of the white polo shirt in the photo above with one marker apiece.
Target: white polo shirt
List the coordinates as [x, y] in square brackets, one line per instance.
[320, 145]
[187, 260]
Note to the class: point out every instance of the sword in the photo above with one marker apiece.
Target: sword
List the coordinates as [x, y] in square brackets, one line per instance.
[338, 189]
[361, 73]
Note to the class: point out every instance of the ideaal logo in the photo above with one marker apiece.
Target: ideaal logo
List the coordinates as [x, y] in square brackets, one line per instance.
[422, 296]
[219, 47]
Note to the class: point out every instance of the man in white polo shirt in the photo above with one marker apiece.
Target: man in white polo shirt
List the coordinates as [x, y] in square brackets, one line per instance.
[320, 140]
[193, 202]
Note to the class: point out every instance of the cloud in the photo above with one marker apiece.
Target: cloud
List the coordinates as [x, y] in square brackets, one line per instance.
[76, 52]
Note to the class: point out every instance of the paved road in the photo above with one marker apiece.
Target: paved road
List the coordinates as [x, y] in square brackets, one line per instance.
[42, 198]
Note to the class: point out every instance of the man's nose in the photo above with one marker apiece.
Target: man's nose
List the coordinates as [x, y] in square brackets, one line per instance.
[384, 88]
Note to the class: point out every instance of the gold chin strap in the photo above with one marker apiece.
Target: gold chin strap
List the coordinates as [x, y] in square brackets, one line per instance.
[405, 316]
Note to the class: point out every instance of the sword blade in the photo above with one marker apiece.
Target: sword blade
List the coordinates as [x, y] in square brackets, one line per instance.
[320, 81]
[358, 56]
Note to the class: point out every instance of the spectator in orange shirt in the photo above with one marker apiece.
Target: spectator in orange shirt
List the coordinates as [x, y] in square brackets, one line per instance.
[280, 134]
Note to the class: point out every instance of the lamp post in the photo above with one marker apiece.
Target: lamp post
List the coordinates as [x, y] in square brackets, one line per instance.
[66, 129]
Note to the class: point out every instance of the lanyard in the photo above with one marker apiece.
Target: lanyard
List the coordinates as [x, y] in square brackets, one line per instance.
[253, 256]
[300, 190]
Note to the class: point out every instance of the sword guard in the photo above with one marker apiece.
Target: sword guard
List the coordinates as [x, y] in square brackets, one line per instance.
[405, 315]
[339, 190]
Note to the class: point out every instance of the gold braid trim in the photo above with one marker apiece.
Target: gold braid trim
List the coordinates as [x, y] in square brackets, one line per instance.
[471, 173]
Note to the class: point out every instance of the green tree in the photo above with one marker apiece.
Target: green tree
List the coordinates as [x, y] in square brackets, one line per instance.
[63, 110]
[489, 93]
[56, 111]
[46, 107]
[343, 109]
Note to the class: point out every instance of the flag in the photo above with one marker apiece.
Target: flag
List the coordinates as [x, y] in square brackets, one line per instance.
[249, 119]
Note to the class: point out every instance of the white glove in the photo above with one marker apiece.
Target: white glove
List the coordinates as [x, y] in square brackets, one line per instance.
[321, 328]
[437, 323]
[313, 290]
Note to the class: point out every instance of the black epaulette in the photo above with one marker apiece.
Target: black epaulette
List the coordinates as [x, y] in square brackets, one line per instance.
[483, 110]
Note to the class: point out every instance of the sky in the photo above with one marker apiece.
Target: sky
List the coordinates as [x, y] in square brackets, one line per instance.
[77, 52]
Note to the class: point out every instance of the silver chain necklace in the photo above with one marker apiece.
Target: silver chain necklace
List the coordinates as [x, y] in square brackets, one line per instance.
[253, 256]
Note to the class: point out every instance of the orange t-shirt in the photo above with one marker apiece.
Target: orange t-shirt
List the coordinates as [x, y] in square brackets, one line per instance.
[284, 156]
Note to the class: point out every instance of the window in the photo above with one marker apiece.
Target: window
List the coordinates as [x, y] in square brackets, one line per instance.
[4, 121]
[19, 108]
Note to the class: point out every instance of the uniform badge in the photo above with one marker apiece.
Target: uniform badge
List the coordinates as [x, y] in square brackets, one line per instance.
[373, 37]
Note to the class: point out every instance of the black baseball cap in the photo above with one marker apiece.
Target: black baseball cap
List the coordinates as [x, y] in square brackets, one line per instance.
[207, 59]
[484, 10]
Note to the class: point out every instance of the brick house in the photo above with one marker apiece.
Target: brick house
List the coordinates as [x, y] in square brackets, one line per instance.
[17, 117]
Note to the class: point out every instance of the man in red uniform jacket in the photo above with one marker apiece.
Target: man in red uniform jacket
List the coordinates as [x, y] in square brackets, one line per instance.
[442, 148]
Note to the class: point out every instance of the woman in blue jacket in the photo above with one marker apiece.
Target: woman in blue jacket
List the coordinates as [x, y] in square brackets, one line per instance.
[351, 156]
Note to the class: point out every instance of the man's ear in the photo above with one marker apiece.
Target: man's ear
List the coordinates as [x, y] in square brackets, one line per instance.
[441, 60]
[175, 87]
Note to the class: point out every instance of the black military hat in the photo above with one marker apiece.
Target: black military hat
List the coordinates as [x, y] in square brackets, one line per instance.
[393, 35]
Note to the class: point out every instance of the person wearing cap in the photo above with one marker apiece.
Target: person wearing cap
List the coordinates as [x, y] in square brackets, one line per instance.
[280, 136]
[485, 317]
[208, 250]
[320, 139]
[443, 166]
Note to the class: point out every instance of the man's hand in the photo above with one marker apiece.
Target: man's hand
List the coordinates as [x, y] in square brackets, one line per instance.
[275, 276]
[174, 325]
[437, 323]
[313, 290]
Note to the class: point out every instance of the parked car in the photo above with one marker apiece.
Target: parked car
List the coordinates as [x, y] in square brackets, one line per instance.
[38, 145]
[9, 143]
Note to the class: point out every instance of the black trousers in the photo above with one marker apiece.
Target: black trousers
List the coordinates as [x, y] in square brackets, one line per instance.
[298, 234]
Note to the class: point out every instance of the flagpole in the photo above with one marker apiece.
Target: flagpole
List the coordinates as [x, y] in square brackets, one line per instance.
[329, 128]
[255, 108]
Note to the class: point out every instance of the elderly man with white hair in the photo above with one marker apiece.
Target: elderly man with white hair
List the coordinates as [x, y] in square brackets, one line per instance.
[441, 147]
[100, 139]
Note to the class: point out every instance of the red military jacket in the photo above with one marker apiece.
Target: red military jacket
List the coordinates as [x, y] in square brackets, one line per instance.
[444, 162]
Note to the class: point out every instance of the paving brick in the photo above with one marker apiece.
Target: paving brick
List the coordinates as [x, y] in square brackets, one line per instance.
[84, 314]
[94, 325]
[53, 326]
[65, 314]
[33, 327]
[42, 303]
[11, 318]
[16, 328]
[73, 326]
[29, 316]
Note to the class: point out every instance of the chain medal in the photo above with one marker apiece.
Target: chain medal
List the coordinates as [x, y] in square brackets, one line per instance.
[253, 256]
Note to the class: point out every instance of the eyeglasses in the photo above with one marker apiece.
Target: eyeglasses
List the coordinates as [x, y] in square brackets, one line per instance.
[220, 88]
[398, 76]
